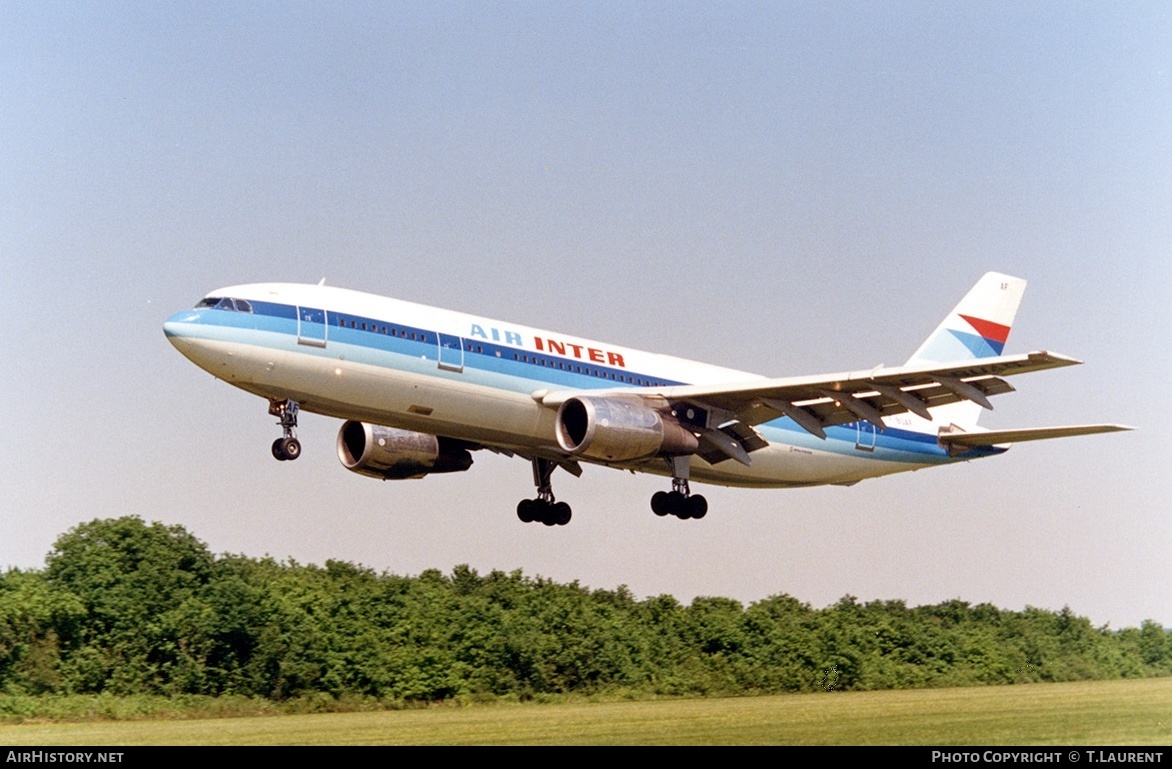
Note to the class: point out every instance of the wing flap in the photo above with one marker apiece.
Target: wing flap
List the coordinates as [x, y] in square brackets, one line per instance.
[732, 441]
[737, 396]
[830, 411]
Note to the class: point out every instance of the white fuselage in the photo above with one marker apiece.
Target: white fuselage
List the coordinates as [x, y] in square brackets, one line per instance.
[354, 355]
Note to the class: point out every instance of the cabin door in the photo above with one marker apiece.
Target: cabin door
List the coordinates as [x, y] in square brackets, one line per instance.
[451, 352]
[864, 435]
[311, 326]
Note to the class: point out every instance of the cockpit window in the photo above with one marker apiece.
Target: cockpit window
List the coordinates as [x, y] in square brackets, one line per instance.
[226, 303]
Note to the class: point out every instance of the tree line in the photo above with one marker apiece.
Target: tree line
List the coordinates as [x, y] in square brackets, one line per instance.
[126, 607]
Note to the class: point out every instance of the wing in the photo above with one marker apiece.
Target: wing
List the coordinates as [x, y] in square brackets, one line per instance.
[723, 416]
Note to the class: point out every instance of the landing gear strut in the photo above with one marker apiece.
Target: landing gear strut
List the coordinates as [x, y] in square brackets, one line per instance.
[680, 501]
[286, 447]
[543, 508]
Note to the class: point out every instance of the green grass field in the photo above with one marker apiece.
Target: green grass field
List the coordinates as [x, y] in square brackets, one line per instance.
[1132, 712]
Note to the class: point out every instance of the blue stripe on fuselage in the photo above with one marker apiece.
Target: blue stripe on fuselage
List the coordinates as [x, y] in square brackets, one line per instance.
[359, 331]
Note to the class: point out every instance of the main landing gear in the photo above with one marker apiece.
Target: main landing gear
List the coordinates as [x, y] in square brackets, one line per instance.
[287, 447]
[543, 508]
[680, 501]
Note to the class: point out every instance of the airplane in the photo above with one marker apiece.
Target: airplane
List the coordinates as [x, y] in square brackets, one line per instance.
[420, 388]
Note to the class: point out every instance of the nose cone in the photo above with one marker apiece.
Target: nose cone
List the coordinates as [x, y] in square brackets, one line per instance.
[182, 330]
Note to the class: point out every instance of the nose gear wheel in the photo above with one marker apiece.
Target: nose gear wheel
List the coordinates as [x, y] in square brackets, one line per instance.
[286, 447]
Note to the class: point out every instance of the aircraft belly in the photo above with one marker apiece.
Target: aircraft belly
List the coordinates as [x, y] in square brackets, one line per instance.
[783, 465]
[412, 394]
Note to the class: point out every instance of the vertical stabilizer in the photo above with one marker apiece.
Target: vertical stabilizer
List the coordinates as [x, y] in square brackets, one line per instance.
[976, 328]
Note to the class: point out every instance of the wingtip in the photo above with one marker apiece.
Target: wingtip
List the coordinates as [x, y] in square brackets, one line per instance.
[1056, 357]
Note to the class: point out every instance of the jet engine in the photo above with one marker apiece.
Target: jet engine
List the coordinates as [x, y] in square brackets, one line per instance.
[617, 430]
[392, 454]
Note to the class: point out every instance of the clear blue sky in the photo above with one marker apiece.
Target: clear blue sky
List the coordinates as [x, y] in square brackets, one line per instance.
[788, 188]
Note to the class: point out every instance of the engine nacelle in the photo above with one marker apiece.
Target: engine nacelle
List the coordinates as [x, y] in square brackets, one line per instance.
[392, 454]
[617, 430]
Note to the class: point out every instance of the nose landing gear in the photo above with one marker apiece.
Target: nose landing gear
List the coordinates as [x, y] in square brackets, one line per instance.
[286, 447]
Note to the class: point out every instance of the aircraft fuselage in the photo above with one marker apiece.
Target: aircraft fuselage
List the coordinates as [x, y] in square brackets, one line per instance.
[373, 359]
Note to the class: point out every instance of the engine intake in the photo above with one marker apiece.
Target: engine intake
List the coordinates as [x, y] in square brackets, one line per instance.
[392, 454]
[616, 430]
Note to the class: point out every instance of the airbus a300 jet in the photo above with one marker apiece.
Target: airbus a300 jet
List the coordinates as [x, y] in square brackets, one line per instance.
[421, 388]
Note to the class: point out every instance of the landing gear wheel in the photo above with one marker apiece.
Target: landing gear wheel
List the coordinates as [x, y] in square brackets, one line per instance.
[679, 504]
[543, 508]
[697, 506]
[291, 448]
[286, 447]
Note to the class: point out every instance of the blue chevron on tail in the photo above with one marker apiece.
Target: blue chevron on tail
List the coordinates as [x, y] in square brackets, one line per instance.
[978, 326]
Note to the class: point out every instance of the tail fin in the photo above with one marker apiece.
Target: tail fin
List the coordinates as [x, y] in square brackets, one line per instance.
[976, 328]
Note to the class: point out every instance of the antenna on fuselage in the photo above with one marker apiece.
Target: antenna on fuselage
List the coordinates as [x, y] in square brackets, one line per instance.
[322, 282]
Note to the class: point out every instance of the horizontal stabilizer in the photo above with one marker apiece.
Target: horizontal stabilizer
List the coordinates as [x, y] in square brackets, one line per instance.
[999, 437]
